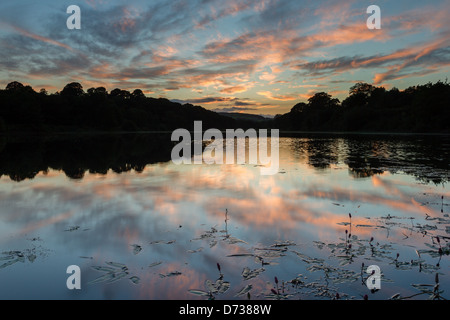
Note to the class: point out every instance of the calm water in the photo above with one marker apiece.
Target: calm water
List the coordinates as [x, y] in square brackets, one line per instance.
[140, 227]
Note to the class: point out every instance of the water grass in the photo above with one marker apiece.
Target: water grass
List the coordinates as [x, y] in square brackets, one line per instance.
[339, 268]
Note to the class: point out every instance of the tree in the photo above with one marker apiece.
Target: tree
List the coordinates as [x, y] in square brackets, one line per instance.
[363, 94]
[115, 93]
[322, 100]
[299, 107]
[14, 86]
[73, 89]
[355, 100]
[100, 91]
[362, 88]
[124, 94]
[138, 94]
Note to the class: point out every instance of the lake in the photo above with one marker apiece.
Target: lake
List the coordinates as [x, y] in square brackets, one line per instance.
[141, 227]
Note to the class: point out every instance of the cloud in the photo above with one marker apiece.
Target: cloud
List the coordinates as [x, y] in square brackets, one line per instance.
[427, 56]
[220, 9]
[36, 36]
[234, 109]
[431, 58]
[271, 96]
[205, 100]
[234, 89]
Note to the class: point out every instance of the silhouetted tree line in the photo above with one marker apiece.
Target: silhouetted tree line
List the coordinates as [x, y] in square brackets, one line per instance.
[423, 108]
[25, 110]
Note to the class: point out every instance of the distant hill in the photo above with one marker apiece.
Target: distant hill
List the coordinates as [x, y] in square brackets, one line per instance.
[244, 116]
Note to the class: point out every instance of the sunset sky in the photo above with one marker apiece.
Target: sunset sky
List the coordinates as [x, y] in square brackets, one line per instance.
[253, 56]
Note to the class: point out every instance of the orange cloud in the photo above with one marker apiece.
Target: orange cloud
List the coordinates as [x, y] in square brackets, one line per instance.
[394, 72]
[234, 89]
[271, 96]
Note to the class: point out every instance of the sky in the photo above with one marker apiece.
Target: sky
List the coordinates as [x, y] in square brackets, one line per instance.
[250, 56]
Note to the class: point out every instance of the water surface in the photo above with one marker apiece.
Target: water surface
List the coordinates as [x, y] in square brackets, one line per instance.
[141, 227]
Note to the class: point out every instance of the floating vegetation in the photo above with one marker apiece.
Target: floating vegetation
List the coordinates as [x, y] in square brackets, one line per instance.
[233, 240]
[244, 291]
[212, 244]
[286, 243]
[154, 264]
[11, 258]
[135, 279]
[136, 249]
[196, 251]
[308, 259]
[163, 242]
[364, 225]
[8, 258]
[248, 274]
[278, 292]
[215, 236]
[170, 274]
[315, 288]
[199, 292]
[35, 239]
[113, 272]
[72, 229]
[433, 291]
[274, 295]
[218, 287]
[241, 255]
[338, 205]
[213, 288]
